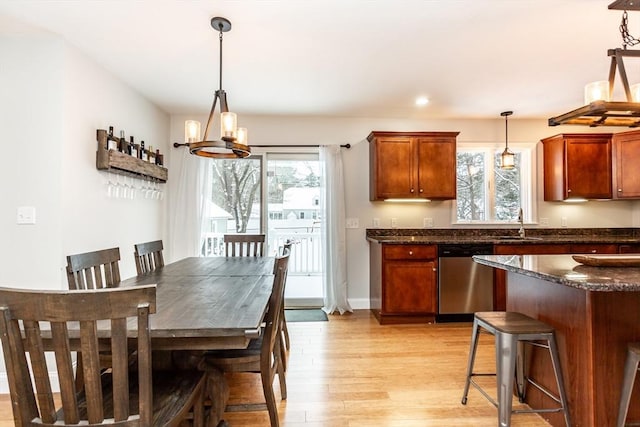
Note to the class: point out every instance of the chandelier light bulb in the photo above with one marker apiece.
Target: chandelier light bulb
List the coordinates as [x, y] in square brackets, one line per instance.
[596, 91]
[191, 131]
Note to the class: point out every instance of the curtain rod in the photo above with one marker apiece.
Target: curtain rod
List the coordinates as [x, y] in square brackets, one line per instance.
[347, 146]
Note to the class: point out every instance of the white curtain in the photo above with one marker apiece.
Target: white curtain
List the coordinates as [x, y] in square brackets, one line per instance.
[333, 231]
[187, 205]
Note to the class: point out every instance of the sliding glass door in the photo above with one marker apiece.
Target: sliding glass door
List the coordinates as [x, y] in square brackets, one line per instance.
[294, 212]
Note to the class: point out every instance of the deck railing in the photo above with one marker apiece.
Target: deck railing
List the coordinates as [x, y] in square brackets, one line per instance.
[306, 251]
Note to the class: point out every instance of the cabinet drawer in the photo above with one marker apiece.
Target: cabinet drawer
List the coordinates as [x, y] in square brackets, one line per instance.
[409, 252]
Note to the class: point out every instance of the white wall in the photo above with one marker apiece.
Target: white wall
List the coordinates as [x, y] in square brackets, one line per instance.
[53, 101]
[306, 130]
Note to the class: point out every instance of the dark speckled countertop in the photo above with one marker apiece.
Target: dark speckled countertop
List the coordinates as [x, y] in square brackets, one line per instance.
[564, 270]
[505, 236]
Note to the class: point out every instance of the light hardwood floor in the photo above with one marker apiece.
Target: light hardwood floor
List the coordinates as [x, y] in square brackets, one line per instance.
[353, 372]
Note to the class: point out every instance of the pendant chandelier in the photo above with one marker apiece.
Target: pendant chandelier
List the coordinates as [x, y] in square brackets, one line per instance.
[599, 109]
[233, 140]
[507, 158]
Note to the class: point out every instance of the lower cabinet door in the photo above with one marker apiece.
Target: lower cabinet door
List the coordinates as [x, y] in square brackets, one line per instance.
[409, 287]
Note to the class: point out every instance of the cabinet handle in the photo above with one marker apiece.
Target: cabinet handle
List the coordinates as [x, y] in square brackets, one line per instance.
[593, 251]
[569, 190]
[434, 269]
[411, 191]
[620, 189]
[421, 190]
[410, 252]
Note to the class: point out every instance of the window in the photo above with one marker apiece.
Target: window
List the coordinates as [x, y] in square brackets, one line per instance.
[487, 193]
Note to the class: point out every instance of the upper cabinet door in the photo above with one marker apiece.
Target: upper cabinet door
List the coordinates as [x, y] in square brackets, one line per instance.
[392, 168]
[437, 167]
[577, 166]
[408, 165]
[626, 156]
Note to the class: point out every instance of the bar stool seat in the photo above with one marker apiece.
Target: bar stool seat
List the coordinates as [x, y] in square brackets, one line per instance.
[630, 370]
[512, 331]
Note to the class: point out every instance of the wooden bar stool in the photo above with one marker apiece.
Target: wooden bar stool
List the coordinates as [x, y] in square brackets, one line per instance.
[630, 369]
[513, 330]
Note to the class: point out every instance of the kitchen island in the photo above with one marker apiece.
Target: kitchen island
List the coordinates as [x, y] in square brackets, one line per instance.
[596, 313]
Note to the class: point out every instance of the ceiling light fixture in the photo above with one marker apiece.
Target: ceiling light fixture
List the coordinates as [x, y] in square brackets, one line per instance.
[507, 158]
[233, 140]
[599, 109]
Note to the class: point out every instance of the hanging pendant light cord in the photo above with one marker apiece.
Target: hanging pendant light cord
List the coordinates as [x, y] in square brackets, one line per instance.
[220, 76]
[506, 133]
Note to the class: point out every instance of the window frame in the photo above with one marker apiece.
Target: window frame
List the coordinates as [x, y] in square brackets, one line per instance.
[528, 181]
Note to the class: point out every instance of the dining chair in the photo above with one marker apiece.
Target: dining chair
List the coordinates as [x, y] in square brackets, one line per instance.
[94, 270]
[148, 256]
[244, 244]
[52, 324]
[263, 354]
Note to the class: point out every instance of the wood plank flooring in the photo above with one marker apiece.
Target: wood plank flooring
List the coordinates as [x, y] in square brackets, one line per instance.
[352, 372]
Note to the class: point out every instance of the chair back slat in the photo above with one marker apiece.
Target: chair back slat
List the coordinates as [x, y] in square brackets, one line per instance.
[94, 270]
[148, 256]
[21, 313]
[244, 245]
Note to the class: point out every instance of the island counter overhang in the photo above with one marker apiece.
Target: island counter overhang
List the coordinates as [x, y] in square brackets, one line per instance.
[596, 313]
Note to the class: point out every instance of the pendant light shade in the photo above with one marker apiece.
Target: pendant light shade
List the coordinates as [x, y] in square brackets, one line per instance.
[233, 142]
[507, 159]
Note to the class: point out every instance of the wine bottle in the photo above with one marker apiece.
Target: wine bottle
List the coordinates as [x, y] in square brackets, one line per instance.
[111, 140]
[124, 146]
[134, 147]
[151, 155]
[143, 152]
[158, 158]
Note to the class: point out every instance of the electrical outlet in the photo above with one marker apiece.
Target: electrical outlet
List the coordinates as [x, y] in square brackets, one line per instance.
[394, 222]
[544, 221]
[427, 222]
[352, 223]
[376, 222]
[563, 221]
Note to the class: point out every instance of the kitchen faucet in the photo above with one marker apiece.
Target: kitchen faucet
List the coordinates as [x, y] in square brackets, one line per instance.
[521, 221]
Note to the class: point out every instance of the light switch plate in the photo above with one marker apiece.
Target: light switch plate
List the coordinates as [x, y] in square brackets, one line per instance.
[427, 222]
[563, 221]
[376, 222]
[394, 222]
[26, 215]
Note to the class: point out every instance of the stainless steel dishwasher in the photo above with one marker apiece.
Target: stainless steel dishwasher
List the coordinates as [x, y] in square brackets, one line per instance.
[464, 286]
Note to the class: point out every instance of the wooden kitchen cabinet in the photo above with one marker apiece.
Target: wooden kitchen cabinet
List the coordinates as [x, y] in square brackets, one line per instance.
[403, 282]
[626, 157]
[577, 166]
[410, 165]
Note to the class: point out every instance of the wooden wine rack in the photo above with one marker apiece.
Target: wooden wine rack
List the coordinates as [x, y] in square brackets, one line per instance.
[124, 164]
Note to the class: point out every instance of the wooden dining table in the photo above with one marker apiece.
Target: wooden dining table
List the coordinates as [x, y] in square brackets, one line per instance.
[208, 303]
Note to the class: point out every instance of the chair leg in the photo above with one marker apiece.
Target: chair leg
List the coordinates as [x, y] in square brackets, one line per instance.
[269, 396]
[557, 369]
[506, 345]
[630, 370]
[472, 355]
[521, 381]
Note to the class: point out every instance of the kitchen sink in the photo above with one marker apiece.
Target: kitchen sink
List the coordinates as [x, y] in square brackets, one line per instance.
[517, 238]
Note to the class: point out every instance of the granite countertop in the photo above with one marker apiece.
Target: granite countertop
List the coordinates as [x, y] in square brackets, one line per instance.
[505, 236]
[564, 270]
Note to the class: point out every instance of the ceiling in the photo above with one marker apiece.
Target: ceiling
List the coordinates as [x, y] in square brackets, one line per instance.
[353, 58]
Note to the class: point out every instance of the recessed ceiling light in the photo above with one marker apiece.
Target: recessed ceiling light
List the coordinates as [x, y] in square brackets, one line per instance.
[422, 100]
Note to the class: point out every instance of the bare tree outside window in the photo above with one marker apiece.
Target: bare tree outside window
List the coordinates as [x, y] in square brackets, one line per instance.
[485, 192]
[508, 198]
[471, 186]
[236, 188]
